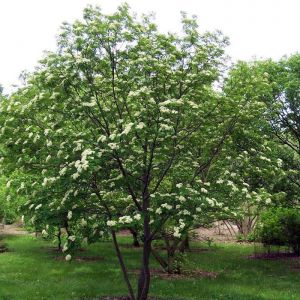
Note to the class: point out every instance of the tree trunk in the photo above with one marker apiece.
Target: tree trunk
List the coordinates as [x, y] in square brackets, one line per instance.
[66, 224]
[185, 245]
[171, 257]
[135, 242]
[59, 238]
[159, 259]
[120, 258]
[144, 279]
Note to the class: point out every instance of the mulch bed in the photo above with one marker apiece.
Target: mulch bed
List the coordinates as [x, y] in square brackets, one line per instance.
[197, 273]
[3, 249]
[191, 250]
[82, 258]
[125, 298]
[199, 250]
[274, 256]
[296, 267]
[163, 248]
[55, 249]
[115, 298]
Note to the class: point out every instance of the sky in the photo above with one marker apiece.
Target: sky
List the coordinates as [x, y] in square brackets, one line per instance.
[256, 28]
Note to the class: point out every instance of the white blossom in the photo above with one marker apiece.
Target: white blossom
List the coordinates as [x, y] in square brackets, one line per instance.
[176, 233]
[68, 257]
[181, 199]
[38, 206]
[70, 214]
[167, 206]
[63, 171]
[268, 201]
[158, 211]
[111, 223]
[46, 131]
[102, 138]
[75, 175]
[127, 128]
[72, 238]
[141, 125]
[125, 220]
[44, 233]
[204, 190]
[113, 146]
[83, 222]
[137, 217]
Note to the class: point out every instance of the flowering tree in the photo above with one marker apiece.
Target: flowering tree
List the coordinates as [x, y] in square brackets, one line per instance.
[276, 84]
[117, 128]
[250, 165]
[283, 101]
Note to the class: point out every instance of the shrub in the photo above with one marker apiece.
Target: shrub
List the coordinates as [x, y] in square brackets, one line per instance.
[281, 227]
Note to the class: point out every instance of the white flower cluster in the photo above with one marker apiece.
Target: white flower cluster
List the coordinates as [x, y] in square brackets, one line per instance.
[177, 229]
[65, 247]
[44, 233]
[68, 257]
[113, 146]
[125, 220]
[90, 104]
[137, 217]
[204, 190]
[141, 125]
[181, 199]
[127, 128]
[70, 214]
[111, 223]
[72, 238]
[83, 222]
[38, 206]
[46, 181]
[166, 206]
[82, 164]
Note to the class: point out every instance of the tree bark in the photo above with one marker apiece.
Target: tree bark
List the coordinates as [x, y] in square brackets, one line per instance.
[159, 259]
[135, 242]
[184, 245]
[144, 279]
[119, 255]
[59, 238]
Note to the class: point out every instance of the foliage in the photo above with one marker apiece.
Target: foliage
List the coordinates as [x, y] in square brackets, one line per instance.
[250, 165]
[9, 201]
[281, 96]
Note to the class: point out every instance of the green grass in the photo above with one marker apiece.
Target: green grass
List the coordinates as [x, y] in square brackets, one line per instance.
[29, 271]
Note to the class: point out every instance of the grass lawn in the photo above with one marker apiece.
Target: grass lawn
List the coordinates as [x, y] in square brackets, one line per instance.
[29, 271]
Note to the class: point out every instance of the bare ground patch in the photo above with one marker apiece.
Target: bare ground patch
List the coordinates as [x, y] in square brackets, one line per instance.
[13, 229]
[275, 256]
[56, 250]
[122, 298]
[196, 273]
